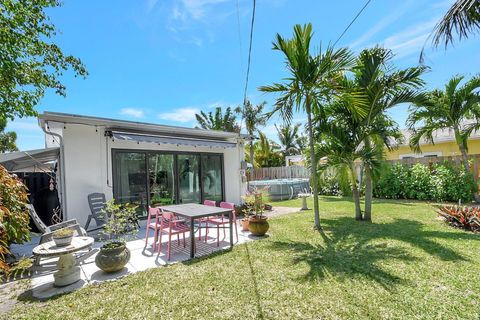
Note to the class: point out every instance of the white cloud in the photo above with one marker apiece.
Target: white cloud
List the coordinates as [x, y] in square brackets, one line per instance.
[196, 9]
[395, 14]
[23, 125]
[133, 112]
[410, 40]
[180, 115]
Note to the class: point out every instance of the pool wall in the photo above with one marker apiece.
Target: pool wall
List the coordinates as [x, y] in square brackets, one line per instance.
[281, 189]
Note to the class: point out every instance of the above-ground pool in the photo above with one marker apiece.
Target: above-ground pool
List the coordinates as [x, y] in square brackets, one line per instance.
[282, 189]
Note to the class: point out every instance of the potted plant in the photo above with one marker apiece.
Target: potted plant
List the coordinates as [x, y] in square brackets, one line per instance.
[245, 211]
[258, 224]
[121, 224]
[62, 237]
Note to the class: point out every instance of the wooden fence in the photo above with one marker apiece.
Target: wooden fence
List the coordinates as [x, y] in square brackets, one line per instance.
[279, 173]
[474, 161]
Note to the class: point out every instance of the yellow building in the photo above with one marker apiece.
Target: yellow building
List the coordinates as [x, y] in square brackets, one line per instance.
[444, 146]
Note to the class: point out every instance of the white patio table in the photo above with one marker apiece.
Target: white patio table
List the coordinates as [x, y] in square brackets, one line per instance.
[68, 270]
[192, 211]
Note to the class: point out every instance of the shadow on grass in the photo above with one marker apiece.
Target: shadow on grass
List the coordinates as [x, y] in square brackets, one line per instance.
[397, 202]
[349, 251]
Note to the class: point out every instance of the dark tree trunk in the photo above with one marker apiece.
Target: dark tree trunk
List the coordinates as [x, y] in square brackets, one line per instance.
[313, 166]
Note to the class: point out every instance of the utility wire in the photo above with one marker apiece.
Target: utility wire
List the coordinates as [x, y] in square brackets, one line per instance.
[351, 22]
[239, 36]
[249, 55]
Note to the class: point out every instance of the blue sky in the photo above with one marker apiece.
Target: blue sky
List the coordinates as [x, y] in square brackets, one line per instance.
[164, 60]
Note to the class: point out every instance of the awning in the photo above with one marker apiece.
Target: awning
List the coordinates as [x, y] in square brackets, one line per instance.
[40, 159]
[138, 137]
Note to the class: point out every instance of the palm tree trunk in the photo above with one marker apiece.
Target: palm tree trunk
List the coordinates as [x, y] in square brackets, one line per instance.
[368, 195]
[251, 154]
[464, 154]
[356, 194]
[313, 166]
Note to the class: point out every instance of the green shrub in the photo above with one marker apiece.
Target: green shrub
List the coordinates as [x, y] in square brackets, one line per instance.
[438, 182]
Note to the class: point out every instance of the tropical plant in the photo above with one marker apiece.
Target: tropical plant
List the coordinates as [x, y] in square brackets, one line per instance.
[254, 119]
[360, 134]
[31, 63]
[266, 153]
[14, 216]
[456, 108]
[7, 139]
[382, 87]
[462, 18]
[289, 138]
[311, 82]
[461, 217]
[121, 222]
[218, 121]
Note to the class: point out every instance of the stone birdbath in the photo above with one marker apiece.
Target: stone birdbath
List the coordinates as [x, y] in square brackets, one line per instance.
[68, 270]
[304, 197]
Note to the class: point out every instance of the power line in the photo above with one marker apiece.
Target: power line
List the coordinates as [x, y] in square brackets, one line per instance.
[351, 22]
[249, 54]
[239, 36]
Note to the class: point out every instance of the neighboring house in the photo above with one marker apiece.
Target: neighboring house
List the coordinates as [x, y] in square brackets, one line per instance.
[142, 163]
[295, 160]
[445, 145]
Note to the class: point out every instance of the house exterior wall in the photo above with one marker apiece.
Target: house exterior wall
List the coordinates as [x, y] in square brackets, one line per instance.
[446, 149]
[88, 165]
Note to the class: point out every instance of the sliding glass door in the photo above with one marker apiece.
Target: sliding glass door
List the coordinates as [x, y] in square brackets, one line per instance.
[158, 178]
[129, 180]
[161, 179]
[189, 178]
[212, 177]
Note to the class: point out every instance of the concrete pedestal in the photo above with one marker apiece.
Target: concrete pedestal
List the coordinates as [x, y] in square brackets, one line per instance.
[68, 272]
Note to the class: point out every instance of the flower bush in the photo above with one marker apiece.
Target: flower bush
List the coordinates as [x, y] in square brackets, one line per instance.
[438, 182]
[461, 217]
[14, 216]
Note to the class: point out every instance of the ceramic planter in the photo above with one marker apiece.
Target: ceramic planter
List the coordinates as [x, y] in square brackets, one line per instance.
[113, 257]
[258, 226]
[62, 241]
[245, 223]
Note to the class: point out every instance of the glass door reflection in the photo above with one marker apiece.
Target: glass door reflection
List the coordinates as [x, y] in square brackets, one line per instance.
[161, 179]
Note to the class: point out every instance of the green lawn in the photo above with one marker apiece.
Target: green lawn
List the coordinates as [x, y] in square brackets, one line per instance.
[406, 265]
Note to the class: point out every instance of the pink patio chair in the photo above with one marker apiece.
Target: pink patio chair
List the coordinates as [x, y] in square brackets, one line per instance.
[211, 203]
[153, 213]
[171, 225]
[223, 220]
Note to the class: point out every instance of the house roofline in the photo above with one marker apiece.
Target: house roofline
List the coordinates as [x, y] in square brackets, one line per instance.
[136, 126]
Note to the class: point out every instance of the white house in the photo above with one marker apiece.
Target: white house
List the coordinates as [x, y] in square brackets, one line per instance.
[140, 163]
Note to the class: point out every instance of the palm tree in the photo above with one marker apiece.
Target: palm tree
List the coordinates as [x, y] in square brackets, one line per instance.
[266, 153]
[310, 83]
[462, 18]
[383, 87]
[254, 118]
[289, 138]
[218, 121]
[455, 108]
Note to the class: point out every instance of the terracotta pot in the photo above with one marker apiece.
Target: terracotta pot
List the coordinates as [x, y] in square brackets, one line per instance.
[245, 222]
[62, 241]
[258, 226]
[113, 258]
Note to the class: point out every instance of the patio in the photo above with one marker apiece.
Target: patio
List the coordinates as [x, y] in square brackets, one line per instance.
[141, 259]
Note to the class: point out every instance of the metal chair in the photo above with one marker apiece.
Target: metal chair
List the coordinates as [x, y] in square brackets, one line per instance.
[96, 202]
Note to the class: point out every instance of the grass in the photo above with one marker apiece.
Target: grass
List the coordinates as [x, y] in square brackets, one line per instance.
[407, 264]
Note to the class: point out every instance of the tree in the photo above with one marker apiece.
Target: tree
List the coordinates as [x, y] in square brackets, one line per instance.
[289, 138]
[218, 121]
[462, 18]
[309, 84]
[455, 108]
[254, 118]
[30, 63]
[7, 139]
[382, 87]
[266, 153]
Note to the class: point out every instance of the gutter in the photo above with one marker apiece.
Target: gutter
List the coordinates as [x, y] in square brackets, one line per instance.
[63, 200]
